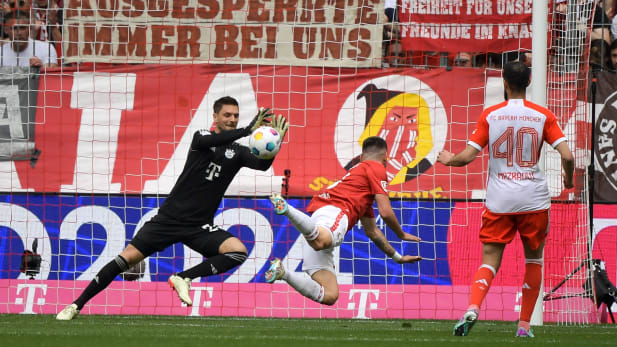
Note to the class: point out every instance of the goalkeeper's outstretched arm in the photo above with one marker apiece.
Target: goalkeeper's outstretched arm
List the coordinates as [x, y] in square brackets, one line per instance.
[203, 141]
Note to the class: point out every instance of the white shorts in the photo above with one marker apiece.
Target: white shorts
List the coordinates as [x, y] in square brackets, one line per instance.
[333, 219]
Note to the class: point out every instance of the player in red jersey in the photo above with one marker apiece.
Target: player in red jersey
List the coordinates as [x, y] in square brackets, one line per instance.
[334, 212]
[517, 195]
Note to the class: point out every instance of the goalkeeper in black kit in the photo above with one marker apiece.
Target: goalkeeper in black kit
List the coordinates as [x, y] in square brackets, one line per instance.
[187, 214]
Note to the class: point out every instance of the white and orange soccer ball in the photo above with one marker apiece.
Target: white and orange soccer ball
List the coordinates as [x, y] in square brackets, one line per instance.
[265, 142]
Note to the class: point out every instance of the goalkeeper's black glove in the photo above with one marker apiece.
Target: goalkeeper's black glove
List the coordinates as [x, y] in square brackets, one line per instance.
[280, 124]
[259, 120]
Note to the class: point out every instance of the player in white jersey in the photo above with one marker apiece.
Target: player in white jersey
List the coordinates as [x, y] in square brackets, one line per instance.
[517, 196]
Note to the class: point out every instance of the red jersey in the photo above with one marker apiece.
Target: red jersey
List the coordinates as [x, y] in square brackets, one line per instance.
[355, 193]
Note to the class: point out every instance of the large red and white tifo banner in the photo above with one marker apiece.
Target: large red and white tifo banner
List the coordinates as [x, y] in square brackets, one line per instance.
[127, 129]
[466, 25]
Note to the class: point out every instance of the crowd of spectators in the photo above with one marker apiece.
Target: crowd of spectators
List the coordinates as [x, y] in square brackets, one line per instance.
[31, 35]
[603, 46]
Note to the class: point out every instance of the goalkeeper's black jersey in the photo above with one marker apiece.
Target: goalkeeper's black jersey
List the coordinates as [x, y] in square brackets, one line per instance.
[211, 165]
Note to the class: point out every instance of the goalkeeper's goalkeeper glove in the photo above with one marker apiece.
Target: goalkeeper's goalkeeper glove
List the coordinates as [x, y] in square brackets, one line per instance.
[280, 124]
[259, 120]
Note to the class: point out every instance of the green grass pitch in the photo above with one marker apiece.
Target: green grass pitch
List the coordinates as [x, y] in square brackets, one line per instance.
[152, 331]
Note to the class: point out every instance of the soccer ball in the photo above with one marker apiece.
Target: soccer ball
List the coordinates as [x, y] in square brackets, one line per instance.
[265, 142]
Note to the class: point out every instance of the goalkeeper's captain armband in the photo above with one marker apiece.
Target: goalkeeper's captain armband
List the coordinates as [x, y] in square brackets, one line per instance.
[396, 256]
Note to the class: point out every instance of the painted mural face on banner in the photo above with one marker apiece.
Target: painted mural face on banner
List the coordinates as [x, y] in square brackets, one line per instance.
[405, 112]
[400, 128]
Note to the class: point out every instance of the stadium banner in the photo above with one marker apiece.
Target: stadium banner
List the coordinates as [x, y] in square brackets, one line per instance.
[18, 93]
[605, 144]
[144, 118]
[465, 25]
[78, 235]
[304, 33]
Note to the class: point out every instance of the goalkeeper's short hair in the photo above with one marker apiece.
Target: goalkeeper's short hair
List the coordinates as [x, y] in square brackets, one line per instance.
[226, 100]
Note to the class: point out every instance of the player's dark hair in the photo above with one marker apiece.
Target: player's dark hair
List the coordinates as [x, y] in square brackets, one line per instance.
[374, 144]
[226, 100]
[517, 74]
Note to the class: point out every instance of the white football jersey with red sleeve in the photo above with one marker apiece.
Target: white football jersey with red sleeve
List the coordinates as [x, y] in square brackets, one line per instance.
[514, 131]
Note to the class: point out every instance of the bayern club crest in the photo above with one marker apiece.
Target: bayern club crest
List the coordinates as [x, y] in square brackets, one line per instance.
[405, 112]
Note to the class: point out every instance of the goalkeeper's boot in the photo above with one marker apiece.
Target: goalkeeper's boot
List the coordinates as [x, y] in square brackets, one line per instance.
[182, 287]
[466, 322]
[276, 271]
[68, 313]
[280, 205]
[522, 332]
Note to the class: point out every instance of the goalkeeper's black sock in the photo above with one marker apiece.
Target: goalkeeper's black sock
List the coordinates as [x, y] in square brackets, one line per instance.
[102, 279]
[215, 265]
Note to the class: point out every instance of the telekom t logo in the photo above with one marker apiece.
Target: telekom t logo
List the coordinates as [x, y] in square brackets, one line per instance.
[212, 171]
[30, 293]
[197, 300]
[363, 303]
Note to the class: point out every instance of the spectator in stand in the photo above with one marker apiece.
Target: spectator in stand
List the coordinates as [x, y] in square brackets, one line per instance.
[6, 7]
[47, 19]
[463, 59]
[599, 58]
[391, 11]
[488, 60]
[522, 56]
[601, 25]
[613, 61]
[610, 10]
[561, 6]
[614, 28]
[21, 50]
[391, 39]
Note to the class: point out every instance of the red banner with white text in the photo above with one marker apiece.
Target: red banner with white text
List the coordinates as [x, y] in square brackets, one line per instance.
[466, 25]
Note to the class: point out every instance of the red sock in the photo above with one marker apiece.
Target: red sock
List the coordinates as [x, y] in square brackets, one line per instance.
[481, 284]
[531, 288]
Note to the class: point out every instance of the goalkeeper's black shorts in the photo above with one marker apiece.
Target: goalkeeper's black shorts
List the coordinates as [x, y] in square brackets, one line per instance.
[158, 234]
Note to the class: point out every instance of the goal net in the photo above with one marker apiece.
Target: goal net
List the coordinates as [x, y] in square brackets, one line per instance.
[92, 148]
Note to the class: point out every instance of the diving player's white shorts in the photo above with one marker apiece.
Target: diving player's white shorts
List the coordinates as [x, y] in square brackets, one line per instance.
[335, 220]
